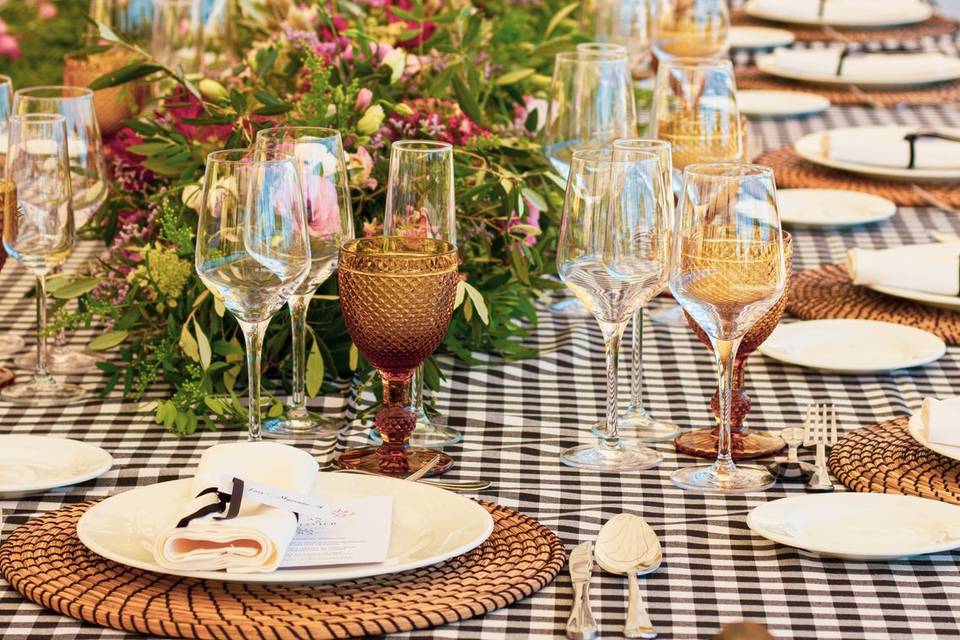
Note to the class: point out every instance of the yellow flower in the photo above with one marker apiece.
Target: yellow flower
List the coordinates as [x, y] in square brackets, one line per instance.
[371, 120]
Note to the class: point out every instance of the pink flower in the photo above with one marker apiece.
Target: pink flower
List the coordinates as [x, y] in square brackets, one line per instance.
[360, 168]
[372, 228]
[364, 98]
[46, 11]
[9, 47]
[532, 219]
[3, 26]
[323, 207]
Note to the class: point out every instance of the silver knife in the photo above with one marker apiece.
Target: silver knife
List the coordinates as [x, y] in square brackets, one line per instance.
[581, 624]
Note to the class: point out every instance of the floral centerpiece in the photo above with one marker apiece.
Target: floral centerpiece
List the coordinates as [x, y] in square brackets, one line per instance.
[378, 71]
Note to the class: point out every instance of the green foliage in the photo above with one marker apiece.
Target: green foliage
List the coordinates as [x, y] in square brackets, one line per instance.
[43, 43]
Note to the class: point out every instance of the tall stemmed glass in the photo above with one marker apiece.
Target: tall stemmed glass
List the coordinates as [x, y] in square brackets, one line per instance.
[319, 157]
[623, 22]
[177, 34]
[10, 342]
[421, 204]
[253, 249]
[397, 295]
[40, 233]
[613, 254]
[88, 174]
[590, 104]
[728, 271]
[690, 28]
[636, 423]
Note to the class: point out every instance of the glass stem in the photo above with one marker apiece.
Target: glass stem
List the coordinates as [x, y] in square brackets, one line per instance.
[253, 336]
[416, 394]
[612, 337]
[40, 373]
[725, 352]
[636, 363]
[299, 305]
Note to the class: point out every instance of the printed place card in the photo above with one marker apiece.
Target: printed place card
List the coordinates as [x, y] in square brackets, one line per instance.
[355, 531]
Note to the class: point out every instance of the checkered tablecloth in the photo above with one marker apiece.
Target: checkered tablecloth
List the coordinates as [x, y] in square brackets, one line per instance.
[517, 418]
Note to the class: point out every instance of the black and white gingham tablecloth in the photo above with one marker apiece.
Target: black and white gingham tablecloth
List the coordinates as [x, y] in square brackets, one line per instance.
[518, 417]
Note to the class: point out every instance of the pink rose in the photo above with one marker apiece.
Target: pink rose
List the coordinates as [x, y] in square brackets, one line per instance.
[323, 206]
[364, 98]
[46, 11]
[9, 47]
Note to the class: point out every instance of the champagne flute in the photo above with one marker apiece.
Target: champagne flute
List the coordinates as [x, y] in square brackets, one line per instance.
[623, 22]
[319, 158]
[89, 186]
[728, 271]
[10, 342]
[690, 28]
[591, 103]
[421, 204]
[38, 232]
[613, 254]
[253, 249]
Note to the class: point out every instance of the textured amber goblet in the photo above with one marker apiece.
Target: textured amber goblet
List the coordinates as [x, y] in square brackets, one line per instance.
[702, 443]
[397, 298]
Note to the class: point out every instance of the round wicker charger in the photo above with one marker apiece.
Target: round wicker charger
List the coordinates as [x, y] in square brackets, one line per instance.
[942, 93]
[826, 292]
[935, 27]
[793, 172]
[46, 562]
[884, 458]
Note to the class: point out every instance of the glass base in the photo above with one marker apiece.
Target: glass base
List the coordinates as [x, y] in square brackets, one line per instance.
[710, 479]
[568, 307]
[62, 360]
[308, 427]
[626, 457]
[640, 426]
[36, 393]
[745, 444]
[368, 459]
[671, 316]
[427, 434]
[11, 343]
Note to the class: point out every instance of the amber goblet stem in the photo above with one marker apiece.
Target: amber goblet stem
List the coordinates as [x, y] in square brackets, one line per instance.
[725, 353]
[253, 337]
[395, 422]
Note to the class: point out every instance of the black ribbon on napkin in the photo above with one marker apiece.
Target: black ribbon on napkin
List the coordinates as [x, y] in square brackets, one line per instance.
[912, 138]
[849, 51]
[229, 502]
[821, 9]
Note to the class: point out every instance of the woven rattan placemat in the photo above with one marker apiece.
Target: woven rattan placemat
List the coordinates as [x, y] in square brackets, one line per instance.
[793, 172]
[46, 562]
[942, 93]
[826, 292]
[935, 27]
[884, 458]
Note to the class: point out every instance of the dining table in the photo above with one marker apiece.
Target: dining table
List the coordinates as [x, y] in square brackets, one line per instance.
[518, 416]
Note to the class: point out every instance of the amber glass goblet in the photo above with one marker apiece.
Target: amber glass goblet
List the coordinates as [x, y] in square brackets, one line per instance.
[702, 443]
[397, 297]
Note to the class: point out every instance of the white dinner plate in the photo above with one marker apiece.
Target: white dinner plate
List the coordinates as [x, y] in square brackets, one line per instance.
[919, 433]
[810, 148]
[33, 464]
[938, 300]
[780, 104]
[430, 525]
[859, 526]
[809, 208]
[948, 69]
[874, 13]
[852, 346]
[759, 37]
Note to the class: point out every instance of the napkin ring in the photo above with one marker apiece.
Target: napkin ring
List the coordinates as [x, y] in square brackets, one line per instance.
[850, 51]
[912, 138]
[229, 502]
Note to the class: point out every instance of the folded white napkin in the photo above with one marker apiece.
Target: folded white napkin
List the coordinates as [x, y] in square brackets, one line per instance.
[933, 268]
[860, 67]
[890, 151]
[256, 539]
[838, 11]
[941, 418]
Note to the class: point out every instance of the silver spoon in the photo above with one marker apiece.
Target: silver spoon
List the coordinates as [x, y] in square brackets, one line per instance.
[627, 545]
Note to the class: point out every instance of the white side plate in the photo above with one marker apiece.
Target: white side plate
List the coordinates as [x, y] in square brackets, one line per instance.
[919, 433]
[812, 208]
[780, 104]
[759, 38]
[430, 525]
[894, 12]
[810, 148]
[940, 301]
[948, 70]
[852, 346]
[859, 526]
[33, 464]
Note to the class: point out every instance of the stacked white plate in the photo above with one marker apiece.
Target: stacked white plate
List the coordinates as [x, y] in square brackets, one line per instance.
[919, 433]
[844, 14]
[869, 70]
[780, 104]
[34, 464]
[759, 37]
[827, 208]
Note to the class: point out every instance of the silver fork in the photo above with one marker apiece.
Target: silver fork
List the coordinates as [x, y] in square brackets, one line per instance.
[820, 429]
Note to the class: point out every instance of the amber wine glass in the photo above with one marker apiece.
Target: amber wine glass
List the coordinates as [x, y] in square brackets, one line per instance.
[728, 272]
[397, 295]
[690, 28]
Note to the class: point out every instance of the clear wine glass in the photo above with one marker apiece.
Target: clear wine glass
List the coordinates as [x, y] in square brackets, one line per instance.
[613, 254]
[622, 22]
[10, 342]
[421, 204]
[590, 104]
[132, 18]
[727, 271]
[690, 28]
[319, 157]
[177, 34]
[88, 174]
[253, 247]
[38, 232]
